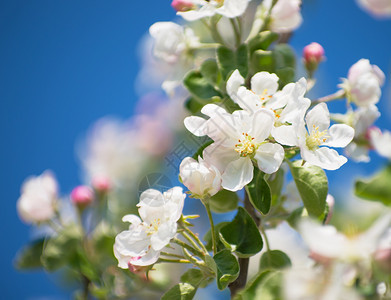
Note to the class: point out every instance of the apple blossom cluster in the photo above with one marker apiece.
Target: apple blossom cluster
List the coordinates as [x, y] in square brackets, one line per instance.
[232, 81]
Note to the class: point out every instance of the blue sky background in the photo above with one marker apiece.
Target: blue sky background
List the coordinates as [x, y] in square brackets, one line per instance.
[64, 64]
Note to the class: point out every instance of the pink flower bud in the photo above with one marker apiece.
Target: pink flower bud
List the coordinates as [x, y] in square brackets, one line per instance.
[101, 184]
[313, 53]
[383, 258]
[82, 196]
[182, 5]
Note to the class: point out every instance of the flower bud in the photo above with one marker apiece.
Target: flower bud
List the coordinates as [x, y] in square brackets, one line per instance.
[101, 184]
[37, 202]
[313, 54]
[383, 258]
[200, 178]
[182, 5]
[82, 196]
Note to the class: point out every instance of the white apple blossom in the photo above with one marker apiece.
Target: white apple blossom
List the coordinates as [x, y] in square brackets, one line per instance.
[378, 8]
[319, 134]
[327, 242]
[208, 8]
[238, 138]
[288, 105]
[172, 40]
[201, 178]
[142, 243]
[285, 15]
[360, 120]
[363, 83]
[381, 142]
[37, 202]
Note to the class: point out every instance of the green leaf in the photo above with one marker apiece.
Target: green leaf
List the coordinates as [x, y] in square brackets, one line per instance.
[262, 61]
[262, 41]
[230, 60]
[208, 237]
[242, 235]
[295, 216]
[210, 71]
[180, 291]
[201, 149]
[194, 106]
[285, 63]
[274, 259]
[192, 276]
[29, 257]
[259, 192]
[227, 268]
[199, 87]
[377, 188]
[224, 201]
[276, 183]
[270, 288]
[311, 181]
[59, 250]
[249, 292]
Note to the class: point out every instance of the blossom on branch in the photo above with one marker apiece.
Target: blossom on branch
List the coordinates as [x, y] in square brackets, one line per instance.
[285, 15]
[146, 237]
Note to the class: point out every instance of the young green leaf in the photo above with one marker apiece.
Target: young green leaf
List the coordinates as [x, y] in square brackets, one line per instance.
[227, 268]
[208, 237]
[224, 201]
[262, 41]
[259, 192]
[29, 257]
[210, 71]
[311, 181]
[230, 60]
[242, 235]
[377, 188]
[180, 291]
[274, 259]
[199, 87]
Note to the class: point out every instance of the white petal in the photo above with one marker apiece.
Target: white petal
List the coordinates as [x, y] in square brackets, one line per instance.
[319, 116]
[357, 153]
[207, 10]
[175, 200]
[261, 124]
[264, 81]
[212, 109]
[340, 135]
[151, 197]
[381, 142]
[269, 157]
[233, 8]
[219, 156]
[323, 157]
[196, 125]
[237, 174]
[233, 84]
[133, 219]
[248, 100]
[285, 135]
[148, 259]
[162, 237]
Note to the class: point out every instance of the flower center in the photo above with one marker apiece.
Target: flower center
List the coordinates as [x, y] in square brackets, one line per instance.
[316, 138]
[153, 227]
[265, 96]
[246, 145]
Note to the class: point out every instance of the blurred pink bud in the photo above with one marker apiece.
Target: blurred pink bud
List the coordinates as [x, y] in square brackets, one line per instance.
[82, 196]
[313, 53]
[373, 130]
[330, 202]
[102, 184]
[182, 5]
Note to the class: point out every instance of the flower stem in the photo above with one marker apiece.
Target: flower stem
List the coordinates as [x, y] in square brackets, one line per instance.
[196, 238]
[191, 241]
[337, 95]
[171, 254]
[212, 227]
[177, 261]
[188, 247]
[236, 31]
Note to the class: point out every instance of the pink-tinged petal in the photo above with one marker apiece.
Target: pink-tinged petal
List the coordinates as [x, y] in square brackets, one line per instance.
[196, 125]
[264, 82]
[269, 157]
[261, 124]
[162, 237]
[233, 84]
[148, 259]
[324, 157]
[285, 135]
[219, 156]
[237, 174]
[340, 135]
[319, 116]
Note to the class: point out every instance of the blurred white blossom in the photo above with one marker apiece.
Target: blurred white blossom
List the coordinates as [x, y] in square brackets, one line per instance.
[285, 15]
[378, 8]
